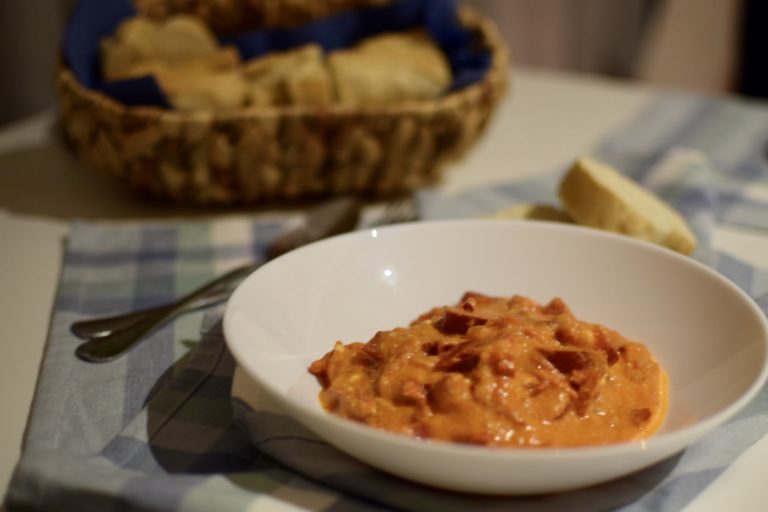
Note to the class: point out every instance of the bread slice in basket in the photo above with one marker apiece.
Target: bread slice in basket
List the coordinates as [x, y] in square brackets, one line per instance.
[597, 195]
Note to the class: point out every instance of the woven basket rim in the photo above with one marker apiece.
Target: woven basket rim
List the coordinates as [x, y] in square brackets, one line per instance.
[496, 76]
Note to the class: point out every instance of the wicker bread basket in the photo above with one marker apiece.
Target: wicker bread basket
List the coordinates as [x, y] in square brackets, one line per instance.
[208, 158]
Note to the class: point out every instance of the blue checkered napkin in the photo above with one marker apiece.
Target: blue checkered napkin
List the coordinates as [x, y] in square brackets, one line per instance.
[732, 134]
[152, 430]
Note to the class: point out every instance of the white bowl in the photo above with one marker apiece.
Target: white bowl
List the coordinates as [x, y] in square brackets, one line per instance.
[709, 335]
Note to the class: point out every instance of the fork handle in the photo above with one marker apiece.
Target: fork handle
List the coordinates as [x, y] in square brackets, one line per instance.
[106, 348]
[106, 326]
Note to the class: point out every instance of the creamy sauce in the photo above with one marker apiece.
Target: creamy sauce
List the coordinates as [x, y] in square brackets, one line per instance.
[500, 372]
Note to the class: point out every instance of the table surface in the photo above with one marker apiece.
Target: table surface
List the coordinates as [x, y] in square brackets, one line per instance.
[548, 119]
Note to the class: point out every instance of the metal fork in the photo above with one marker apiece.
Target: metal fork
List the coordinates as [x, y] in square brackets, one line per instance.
[110, 337]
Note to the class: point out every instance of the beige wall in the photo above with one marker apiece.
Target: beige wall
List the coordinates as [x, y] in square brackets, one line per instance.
[693, 44]
[595, 36]
[679, 43]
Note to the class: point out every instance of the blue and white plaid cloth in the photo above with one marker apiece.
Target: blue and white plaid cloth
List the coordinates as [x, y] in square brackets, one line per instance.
[158, 430]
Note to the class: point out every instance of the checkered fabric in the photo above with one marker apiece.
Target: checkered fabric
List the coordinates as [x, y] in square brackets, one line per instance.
[158, 430]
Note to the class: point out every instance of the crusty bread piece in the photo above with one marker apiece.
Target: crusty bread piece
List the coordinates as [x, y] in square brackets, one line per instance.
[390, 67]
[293, 77]
[597, 195]
[225, 59]
[531, 211]
[219, 91]
[182, 37]
[139, 40]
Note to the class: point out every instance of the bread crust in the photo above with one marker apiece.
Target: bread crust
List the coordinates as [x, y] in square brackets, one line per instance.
[390, 67]
[532, 211]
[596, 195]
